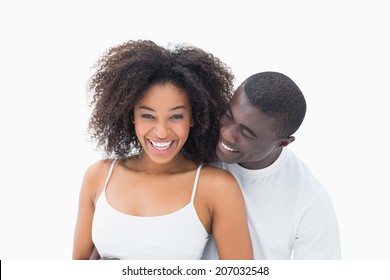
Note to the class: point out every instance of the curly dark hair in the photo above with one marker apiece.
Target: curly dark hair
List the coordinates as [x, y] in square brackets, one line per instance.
[126, 71]
[279, 97]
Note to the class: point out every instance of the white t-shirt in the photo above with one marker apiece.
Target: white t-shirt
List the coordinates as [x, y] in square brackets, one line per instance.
[290, 214]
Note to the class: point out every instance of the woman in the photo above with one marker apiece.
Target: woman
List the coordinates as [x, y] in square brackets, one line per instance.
[156, 117]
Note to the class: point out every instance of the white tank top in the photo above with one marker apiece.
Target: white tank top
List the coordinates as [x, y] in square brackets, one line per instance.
[174, 236]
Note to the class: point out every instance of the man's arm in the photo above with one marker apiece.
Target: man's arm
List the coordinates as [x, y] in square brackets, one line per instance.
[318, 233]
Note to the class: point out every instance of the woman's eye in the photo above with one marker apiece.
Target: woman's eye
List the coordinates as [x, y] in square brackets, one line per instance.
[177, 117]
[147, 116]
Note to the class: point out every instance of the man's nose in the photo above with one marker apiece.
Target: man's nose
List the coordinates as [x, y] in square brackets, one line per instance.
[229, 132]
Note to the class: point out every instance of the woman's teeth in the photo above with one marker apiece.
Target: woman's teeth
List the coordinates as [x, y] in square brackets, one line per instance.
[161, 146]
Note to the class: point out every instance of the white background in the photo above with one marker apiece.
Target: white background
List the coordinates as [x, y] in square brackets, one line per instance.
[338, 52]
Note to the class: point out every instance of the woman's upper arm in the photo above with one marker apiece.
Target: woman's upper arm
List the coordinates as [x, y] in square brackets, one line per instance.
[230, 225]
[82, 244]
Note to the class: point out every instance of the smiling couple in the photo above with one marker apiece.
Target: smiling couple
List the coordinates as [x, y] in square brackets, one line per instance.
[192, 172]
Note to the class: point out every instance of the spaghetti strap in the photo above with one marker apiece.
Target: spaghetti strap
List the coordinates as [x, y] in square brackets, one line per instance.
[109, 174]
[195, 183]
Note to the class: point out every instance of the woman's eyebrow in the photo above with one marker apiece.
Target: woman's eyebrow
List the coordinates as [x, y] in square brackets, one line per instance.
[146, 108]
[178, 107]
[172, 109]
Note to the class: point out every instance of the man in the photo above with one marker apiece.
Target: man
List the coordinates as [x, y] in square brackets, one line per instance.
[290, 213]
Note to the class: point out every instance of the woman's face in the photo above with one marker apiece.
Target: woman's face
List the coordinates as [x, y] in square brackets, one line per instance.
[162, 120]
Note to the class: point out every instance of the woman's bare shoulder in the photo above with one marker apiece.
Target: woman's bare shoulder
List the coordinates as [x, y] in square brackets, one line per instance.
[211, 170]
[95, 176]
[218, 178]
[97, 169]
[219, 188]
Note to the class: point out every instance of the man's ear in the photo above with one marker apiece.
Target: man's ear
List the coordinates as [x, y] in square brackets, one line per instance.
[286, 141]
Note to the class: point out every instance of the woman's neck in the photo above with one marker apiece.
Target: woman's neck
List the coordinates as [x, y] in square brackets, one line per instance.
[178, 164]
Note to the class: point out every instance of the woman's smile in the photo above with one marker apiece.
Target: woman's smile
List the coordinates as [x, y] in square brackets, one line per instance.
[161, 146]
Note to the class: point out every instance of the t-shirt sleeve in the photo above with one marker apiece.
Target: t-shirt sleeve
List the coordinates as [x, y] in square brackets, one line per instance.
[318, 235]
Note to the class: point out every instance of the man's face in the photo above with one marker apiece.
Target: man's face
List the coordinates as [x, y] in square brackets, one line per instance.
[247, 135]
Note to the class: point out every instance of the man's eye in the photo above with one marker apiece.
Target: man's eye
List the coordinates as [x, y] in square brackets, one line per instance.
[227, 114]
[246, 134]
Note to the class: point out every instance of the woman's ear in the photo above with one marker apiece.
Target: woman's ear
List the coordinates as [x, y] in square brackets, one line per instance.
[132, 117]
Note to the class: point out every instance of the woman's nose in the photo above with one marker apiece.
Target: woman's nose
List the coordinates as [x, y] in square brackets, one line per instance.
[161, 129]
